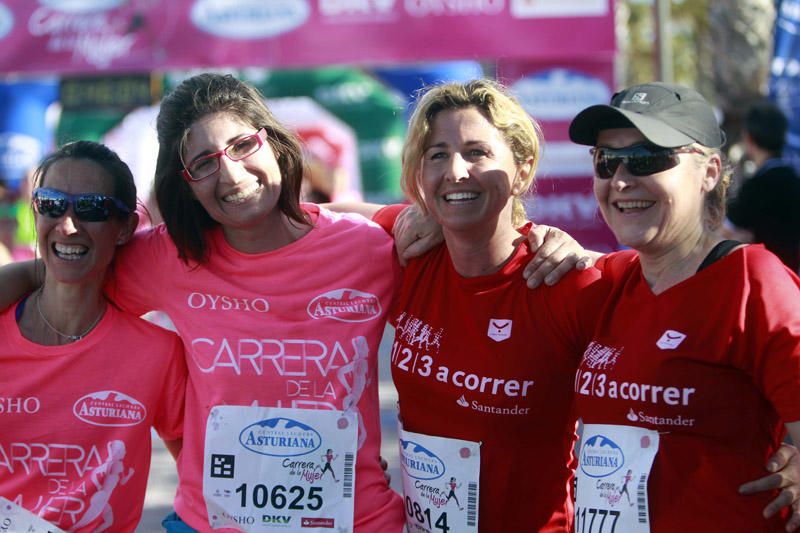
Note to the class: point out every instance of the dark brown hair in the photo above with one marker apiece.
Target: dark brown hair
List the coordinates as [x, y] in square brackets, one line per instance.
[186, 220]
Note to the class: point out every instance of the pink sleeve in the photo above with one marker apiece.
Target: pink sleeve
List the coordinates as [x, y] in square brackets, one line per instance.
[770, 348]
[168, 420]
[387, 216]
[141, 271]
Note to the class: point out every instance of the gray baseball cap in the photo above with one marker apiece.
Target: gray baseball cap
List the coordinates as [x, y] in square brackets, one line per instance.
[668, 115]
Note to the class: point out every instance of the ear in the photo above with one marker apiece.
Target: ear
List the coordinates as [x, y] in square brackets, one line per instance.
[522, 178]
[128, 228]
[713, 173]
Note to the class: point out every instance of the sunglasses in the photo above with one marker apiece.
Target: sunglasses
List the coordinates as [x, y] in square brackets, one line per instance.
[640, 159]
[203, 167]
[89, 207]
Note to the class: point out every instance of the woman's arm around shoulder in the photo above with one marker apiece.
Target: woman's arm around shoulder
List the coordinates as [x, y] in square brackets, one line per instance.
[17, 280]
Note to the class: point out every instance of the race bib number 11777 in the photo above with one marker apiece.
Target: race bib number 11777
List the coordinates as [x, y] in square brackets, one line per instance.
[613, 469]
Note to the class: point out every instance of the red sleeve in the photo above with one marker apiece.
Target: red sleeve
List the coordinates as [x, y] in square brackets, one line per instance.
[387, 215]
[771, 347]
[616, 264]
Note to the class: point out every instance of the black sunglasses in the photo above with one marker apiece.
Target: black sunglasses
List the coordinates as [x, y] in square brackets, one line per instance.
[89, 207]
[640, 159]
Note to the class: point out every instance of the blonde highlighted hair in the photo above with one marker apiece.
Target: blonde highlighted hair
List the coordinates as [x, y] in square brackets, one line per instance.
[522, 134]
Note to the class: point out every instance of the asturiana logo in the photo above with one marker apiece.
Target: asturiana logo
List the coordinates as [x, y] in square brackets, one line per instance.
[601, 457]
[109, 408]
[280, 437]
[345, 305]
[420, 462]
[249, 19]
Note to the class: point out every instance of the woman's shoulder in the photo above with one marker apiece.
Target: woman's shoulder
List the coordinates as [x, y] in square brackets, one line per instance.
[148, 238]
[347, 225]
[760, 262]
[150, 327]
[615, 264]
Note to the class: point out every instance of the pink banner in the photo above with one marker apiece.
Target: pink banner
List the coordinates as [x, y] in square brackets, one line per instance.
[553, 93]
[90, 36]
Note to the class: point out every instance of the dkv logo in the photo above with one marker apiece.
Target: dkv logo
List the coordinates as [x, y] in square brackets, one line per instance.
[345, 305]
[280, 437]
[419, 462]
[601, 456]
[249, 19]
[109, 408]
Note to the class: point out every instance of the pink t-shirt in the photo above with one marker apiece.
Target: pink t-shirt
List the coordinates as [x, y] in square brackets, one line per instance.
[275, 329]
[75, 439]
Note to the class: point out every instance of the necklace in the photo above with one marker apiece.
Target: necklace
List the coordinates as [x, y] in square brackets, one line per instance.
[72, 338]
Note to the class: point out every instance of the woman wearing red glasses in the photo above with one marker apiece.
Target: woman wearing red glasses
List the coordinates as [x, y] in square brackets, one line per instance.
[692, 376]
[82, 382]
[280, 307]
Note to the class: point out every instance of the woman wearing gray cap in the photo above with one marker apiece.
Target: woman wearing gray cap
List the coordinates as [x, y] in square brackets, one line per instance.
[692, 377]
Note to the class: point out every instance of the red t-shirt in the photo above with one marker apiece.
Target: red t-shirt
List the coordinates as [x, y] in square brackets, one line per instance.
[713, 365]
[486, 359]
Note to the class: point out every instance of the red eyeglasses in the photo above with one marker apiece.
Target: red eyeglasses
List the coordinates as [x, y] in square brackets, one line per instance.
[204, 166]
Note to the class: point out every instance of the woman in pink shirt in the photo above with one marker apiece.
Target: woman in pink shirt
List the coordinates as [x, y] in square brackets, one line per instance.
[280, 307]
[83, 383]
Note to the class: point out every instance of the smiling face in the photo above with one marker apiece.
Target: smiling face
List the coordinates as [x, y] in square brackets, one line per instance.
[658, 212]
[241, 194]
[468, 174]
[75, 251]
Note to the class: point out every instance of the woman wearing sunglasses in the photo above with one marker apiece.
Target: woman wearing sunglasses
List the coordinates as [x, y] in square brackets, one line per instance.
[83, 382]
[280, 306]
[692, 376]
[485, 368]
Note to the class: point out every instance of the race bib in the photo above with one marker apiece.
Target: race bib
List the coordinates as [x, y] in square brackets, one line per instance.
[440, 483]
[14, 518]
[614, 466]
[268, 468]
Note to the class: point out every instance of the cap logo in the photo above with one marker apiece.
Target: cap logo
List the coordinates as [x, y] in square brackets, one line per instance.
[639, 98]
